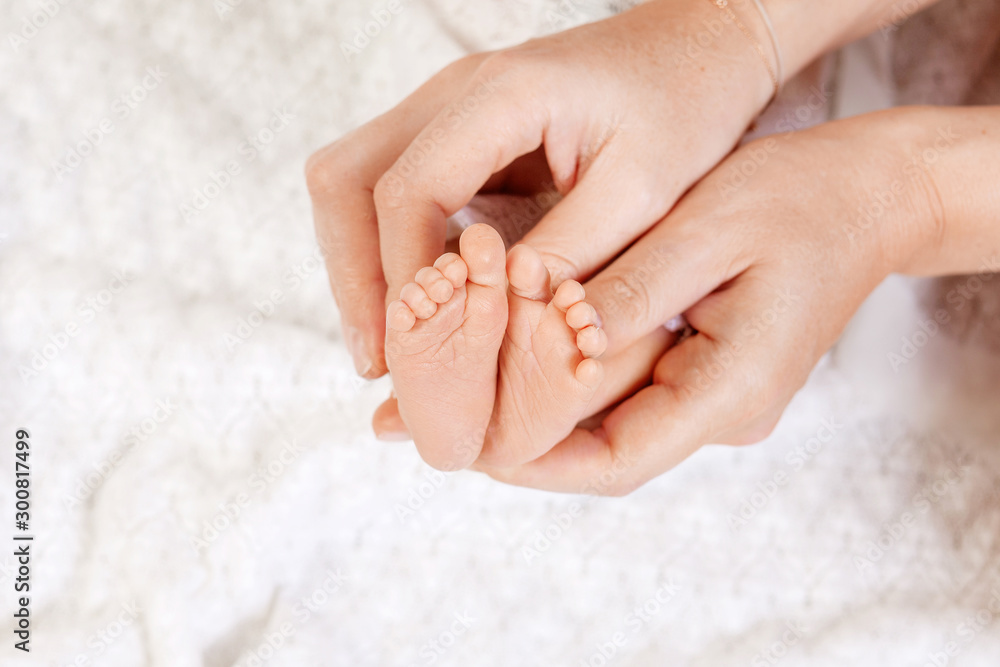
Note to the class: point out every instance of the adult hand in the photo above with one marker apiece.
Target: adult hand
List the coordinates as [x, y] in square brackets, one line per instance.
[622, 116]
[768, 271]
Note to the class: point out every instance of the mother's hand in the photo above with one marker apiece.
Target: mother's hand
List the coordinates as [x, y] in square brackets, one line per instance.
[768, 271]
[625, 114]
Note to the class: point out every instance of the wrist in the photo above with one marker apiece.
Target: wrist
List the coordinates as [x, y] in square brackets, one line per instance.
[877, 167]
[727, 50]
[807, 29]
[960, 217]
[925, 188]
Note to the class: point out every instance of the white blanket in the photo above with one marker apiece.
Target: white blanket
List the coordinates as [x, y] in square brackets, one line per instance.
[205, 486]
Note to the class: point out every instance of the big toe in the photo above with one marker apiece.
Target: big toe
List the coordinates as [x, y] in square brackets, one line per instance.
[484, 253]
[527, 275]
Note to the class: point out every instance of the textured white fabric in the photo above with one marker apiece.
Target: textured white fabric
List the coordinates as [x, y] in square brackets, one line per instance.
[209, 416]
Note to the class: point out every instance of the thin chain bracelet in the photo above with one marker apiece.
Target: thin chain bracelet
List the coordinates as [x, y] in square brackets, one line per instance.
[774, 41]
[724, 6]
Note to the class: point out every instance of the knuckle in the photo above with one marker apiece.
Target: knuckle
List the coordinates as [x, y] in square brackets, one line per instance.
[328, 169]
[390, 192]
[560, 268]
[761, 392]
[504, 63]
[627, 298]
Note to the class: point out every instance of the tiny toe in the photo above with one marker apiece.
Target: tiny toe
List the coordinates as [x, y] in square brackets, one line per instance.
[399, 317]
[582, 315]
[484, 254]
[590, 373]
[593, 342]
[568, 294]
[414, 296]
[453, 267]
[437, 287]
[527, 275]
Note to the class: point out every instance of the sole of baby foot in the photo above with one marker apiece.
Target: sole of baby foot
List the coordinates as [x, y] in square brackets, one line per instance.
[548, 371]
[443, 339]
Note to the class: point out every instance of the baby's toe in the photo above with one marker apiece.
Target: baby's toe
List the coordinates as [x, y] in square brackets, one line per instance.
[437, 287]
[568, 294]
[590, 373]
[484, 254]
[593, 342]
[453, 268]
[399, 317]
[527, 275]
[414, 296]
[582, 315]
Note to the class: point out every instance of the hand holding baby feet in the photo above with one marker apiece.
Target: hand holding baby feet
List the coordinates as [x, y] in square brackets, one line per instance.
[481, 369]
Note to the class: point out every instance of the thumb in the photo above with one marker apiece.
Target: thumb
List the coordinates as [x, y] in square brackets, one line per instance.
[714, 387]
[606, 210]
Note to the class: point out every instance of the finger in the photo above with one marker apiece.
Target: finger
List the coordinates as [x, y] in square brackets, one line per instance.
[482, 131]
[387, 423]
[712, 388]
[606, 210]
[341, 178]
[643, 437]
[680, 261]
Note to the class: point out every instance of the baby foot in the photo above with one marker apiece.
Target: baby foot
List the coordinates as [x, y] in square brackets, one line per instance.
[547, 372]
[443, 337]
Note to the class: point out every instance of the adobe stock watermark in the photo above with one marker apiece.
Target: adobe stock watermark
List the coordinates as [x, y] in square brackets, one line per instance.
[796, 459]
[883, 200]
[629, 289]
[421, 493]
[247, 151]
[957, 299]
[900, 13]
[635, 621]
[565, 14]
[100, 641]
[776, 652]
[121, 108]
[230, 511]
[265, 307]
[746, 162]
[434, 648]
[105, 467]
[88, 310]
[273, 641]
[895, 528]
[33, 23]
[967, 631]
[223, 8]
[371, 29]
[696, 44]
[560, 523]
[723, 360]
[421, 150]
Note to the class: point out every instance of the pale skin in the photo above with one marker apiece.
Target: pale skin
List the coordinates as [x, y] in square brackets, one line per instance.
[590, 120]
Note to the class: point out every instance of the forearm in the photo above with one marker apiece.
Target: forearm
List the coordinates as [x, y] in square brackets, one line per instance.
[806, 29]
[803, 30]
[961, 218]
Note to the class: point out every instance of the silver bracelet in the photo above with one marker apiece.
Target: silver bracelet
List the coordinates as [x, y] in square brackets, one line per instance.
[774, 41]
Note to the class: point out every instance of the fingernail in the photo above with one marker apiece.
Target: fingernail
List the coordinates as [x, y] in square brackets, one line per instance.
[363, 366]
